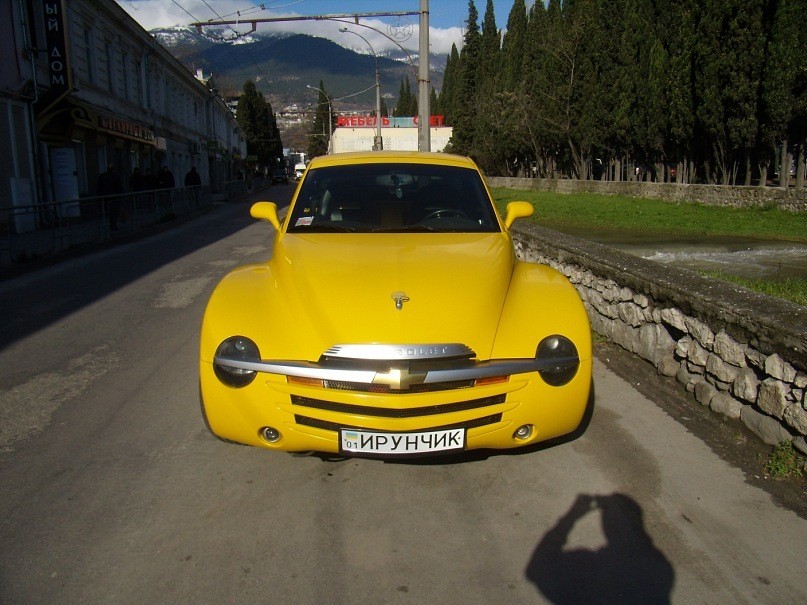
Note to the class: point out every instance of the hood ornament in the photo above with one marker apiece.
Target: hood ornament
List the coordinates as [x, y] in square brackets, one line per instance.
[400, 298]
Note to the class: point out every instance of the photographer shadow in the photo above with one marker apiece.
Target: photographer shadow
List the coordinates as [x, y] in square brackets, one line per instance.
[629, 569]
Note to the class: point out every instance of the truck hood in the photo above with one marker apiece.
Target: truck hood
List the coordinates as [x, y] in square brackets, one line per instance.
[342, 289]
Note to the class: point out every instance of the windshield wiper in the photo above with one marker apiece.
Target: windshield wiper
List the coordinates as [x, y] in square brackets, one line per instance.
[324, 227]
[406, 228]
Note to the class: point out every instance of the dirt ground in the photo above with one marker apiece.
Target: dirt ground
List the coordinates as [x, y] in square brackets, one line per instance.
[728, 438]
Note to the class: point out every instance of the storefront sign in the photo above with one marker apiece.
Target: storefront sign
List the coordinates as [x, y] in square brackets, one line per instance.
[371, 122]
[127, 129]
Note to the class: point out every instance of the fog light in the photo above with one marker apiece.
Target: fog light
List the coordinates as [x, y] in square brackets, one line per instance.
[270, 434]
[524, 432]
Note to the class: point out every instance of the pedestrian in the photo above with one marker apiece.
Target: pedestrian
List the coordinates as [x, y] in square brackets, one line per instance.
[109, 184]
[149, 180]
[165, 180]
[192, 179]
[194, 182]
[137, 181]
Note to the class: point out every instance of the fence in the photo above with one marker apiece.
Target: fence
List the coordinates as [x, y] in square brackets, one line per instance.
[32, 232]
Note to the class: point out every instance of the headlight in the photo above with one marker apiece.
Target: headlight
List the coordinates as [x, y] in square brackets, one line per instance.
[236, 347]
[563, 353]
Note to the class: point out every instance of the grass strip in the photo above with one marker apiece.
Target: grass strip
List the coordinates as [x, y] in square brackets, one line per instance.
[793, 289]
[641, 215]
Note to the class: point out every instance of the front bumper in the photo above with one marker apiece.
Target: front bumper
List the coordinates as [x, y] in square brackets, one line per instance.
[309, 418]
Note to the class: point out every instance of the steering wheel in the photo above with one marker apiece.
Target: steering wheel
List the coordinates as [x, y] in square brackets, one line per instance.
[444, 213]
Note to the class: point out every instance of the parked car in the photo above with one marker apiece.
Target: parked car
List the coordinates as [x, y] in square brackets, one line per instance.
[280, 176]
[393, 319]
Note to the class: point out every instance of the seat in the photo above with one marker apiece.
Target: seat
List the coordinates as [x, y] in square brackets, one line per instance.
[438, 195]
[342, 202]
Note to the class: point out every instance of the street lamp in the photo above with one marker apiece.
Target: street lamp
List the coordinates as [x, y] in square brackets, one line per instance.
[424, 82]
[330, 113]
[378, 143]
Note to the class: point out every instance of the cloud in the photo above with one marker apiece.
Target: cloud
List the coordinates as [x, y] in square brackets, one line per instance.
[441, 40]
[151, 14]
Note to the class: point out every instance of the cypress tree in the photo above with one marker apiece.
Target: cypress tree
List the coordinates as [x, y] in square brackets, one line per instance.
[783, 94]
[530, 100]
[513, 44]
[448, 95]
[655, 108]
[465, 110]
[487, 145]
[407, 102]
[747, 54]
[256, 118]
[680, 91]
[319, 136]
[728, 58]
[489, 62]
[639, 95]
[512, 138]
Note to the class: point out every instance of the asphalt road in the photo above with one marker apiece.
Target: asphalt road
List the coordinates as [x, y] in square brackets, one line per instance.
[113, 491]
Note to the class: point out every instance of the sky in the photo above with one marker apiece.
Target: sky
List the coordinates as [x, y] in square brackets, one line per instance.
[446, 18]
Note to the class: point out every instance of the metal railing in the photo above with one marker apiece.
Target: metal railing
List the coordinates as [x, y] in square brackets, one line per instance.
[31, 232]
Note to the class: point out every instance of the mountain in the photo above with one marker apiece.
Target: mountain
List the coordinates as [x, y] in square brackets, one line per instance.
[283, 66]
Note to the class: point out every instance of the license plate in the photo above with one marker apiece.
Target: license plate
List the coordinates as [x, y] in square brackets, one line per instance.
[352, 441]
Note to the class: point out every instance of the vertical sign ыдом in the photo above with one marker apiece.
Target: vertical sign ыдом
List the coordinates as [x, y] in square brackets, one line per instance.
[56, 46]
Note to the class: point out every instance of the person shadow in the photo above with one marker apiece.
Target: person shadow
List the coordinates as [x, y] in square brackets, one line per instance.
[628, 570]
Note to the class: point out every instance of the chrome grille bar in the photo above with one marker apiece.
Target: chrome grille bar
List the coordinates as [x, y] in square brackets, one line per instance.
[402, 376]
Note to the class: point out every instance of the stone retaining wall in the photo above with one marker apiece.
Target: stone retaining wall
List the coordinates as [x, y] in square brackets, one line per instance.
[790, 199]
[742, 354]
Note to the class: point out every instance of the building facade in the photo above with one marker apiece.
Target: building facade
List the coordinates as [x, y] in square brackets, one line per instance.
[86, 88]
[357, 133]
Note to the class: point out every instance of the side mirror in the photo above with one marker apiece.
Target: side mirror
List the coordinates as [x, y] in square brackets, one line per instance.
[517, 210]
[266, 211]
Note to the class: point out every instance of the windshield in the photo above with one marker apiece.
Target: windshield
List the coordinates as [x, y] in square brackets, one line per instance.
[371, 198]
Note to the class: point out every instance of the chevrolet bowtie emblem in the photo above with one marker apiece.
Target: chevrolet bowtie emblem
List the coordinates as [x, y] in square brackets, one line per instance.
[399, 378]
[400, 298]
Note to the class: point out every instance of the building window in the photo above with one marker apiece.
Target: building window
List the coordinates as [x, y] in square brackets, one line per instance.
[126, 62]
[144, 98]
[109, 58]
[157, 91]
[89, 57]
[35, 37]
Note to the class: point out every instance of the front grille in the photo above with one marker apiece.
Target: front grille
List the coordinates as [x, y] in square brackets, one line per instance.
[341, 385]
[333, 426]
[385, 412]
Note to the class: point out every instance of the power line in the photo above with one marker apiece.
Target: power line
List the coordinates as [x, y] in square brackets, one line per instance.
[221, 38]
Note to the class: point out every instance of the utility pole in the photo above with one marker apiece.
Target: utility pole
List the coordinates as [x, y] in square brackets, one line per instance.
[424, 83]
[379, 142]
